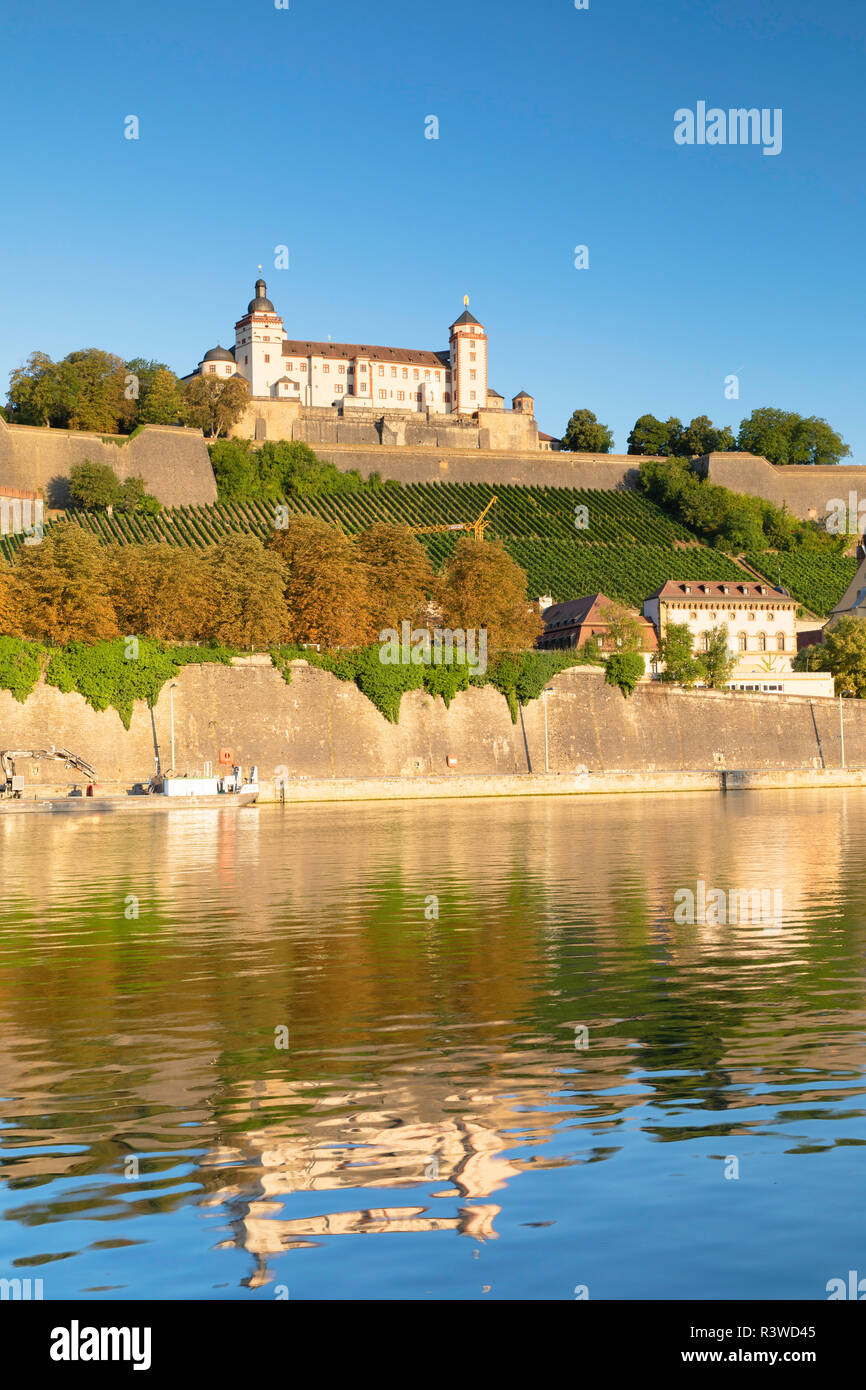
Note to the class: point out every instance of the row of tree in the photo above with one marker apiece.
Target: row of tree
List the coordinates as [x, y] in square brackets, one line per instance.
[100, 392]
[310, 584]
[782, 436]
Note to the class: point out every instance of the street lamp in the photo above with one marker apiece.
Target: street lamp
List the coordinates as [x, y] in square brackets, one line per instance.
[171, 690]
[544, 703]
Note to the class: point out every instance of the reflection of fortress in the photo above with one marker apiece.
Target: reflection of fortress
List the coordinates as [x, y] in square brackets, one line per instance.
[247, 921]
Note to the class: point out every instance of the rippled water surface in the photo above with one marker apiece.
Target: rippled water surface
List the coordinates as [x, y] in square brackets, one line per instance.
[241, 1056]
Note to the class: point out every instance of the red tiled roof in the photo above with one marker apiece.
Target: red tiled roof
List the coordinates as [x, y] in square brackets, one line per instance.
[579, 612]
[412, 357]
[725, 589]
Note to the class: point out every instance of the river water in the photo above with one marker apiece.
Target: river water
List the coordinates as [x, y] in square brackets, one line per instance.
[484, 1035]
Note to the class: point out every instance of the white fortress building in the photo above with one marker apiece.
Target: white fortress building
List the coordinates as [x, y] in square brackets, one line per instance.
[448, 382]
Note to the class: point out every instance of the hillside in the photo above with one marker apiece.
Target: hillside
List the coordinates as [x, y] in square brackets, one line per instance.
[624, 545]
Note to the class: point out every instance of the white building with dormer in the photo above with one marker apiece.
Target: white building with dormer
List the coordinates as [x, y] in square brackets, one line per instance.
[761, 628]
[452, 381]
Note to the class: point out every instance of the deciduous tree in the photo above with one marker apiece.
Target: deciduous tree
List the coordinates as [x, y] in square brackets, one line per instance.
[61, 587]
[843, 653]
[585, 433]
[784, 437]
[680, 667]
[248, 607]
[162, 591]
[213, 404]
[483, 588]
[327, 589]
[400, 579]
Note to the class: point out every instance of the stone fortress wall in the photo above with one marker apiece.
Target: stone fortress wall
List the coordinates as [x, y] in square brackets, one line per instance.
[318, 727]
[173, 461]
[498, 447]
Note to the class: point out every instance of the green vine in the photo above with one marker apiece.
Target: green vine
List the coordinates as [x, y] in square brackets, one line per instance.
[21, 664]
[113, 675]
[518, 676]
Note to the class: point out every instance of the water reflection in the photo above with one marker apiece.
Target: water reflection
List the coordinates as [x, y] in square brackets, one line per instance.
[438, 1079]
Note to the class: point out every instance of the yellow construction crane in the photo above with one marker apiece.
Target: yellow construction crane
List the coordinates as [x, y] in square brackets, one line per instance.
[477, 527]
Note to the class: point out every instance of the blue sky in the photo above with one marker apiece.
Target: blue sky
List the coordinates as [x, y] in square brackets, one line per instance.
[305, 127]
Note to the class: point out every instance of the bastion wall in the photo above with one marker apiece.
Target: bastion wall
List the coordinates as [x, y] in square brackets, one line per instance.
[174, 462]
[320, 727]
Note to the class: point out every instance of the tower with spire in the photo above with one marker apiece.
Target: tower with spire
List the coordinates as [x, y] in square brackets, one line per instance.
[259, 337]
[468, 344]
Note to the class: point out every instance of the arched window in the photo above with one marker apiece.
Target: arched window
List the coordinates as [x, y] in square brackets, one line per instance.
[741, 641]
[762, 641]
[780, 642]
[705, 642]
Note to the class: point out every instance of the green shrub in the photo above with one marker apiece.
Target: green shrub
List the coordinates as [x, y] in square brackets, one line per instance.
[624, 669]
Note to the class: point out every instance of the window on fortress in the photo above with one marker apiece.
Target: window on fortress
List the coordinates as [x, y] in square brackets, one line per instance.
[693, 617]
[448, 397]
[339, 386]
[472, 395]
[211, 367]
[267, 357]
[731, 617]
[780, 642]
[382, 395]
[438, 376]
[393, 371]
[471, 376]
[751, 617]
[705, 642]
[362, 366]
[415, 374]
[381, 371]
[420, 395]
[342, 368]
[325, 367]
[401, 395]
[771, 617]
[762, 641]
[472, 357]
[741, 641]
[405, 373]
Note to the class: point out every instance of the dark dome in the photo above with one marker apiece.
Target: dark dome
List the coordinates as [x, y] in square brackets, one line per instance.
[261, 304]
[218, 354]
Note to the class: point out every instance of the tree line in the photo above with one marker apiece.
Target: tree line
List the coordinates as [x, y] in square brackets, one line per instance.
[101, 393]
[781, 436]
[728, 520]
[310, 584]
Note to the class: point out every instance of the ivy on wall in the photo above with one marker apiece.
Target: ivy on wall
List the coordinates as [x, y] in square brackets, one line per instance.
[113, 675]
[20, 665]
[518, 676]
[109, 675]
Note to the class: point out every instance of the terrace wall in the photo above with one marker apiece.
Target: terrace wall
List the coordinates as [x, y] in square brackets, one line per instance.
[174, 462]
[321, 727]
